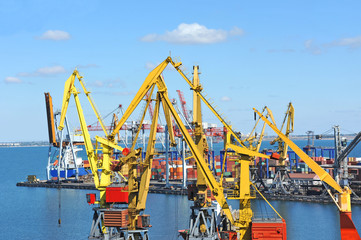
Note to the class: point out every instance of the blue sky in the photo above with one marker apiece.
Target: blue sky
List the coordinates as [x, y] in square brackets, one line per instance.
[250, 54]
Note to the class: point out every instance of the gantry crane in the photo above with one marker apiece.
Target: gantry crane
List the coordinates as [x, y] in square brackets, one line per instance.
[341, 198]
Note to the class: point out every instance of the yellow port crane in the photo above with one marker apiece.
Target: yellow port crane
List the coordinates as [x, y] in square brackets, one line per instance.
[283, 146]
[253, 142]
[138, 189]
[281, 180]
[341, 198]
[101, 180]
[241, 223]
[245, 190]
[108, 222]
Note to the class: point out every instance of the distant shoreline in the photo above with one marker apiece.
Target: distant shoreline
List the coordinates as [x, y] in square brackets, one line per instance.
[266, 138]
[21, 146]
[24, 144]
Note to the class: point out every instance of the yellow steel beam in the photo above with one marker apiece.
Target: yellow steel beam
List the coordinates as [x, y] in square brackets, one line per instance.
[163, 88]
[199, 138]
[106, 142]
[92, 158]
[87, 93]
[143, 116]
[145, 177]
[69, 84]
[246, 151]
[197, 113]
[260, 138]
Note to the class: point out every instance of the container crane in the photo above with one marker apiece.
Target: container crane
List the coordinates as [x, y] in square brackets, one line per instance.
[341, 198]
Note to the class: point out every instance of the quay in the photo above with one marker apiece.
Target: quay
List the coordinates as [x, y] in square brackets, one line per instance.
[176, 189]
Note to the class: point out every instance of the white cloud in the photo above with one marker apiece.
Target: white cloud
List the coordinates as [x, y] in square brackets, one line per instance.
[193, 33]
[51, 70]
[281, 50]
[116, 83]
[98, 83]
[236, 31]
[56, 35]
[150, 65]
[12, 80]
[127, 93]
[225, 99]
[354, 42]
[312, 48]
[44, 72]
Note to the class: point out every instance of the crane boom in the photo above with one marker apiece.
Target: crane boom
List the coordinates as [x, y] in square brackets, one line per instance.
[150, 108]
[69, 84]
[69, 90]
[147, 84]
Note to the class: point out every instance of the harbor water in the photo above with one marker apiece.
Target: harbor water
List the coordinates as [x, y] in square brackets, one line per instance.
[33, 213]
